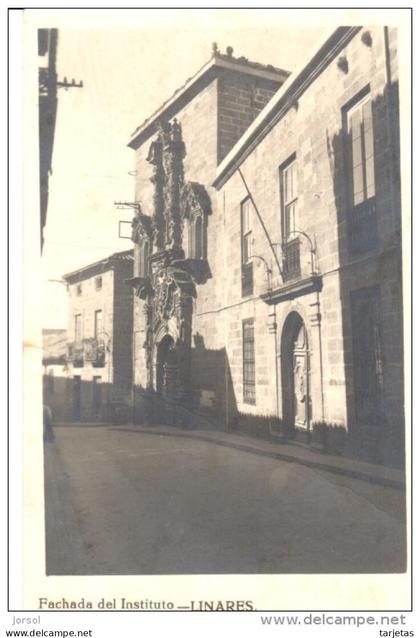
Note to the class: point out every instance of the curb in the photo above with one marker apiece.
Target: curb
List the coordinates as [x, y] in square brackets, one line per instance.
[280, 456]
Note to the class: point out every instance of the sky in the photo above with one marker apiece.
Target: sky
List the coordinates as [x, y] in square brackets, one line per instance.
[127, 72]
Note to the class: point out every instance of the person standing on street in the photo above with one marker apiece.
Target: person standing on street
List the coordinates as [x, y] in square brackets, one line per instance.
[48, 425]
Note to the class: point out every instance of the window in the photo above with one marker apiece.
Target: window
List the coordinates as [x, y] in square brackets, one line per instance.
[360, 162]
[246, 231]
[360, 133]
[77, 328]
[248, 353]
[289, 199]
[289, 215]
[98, 283]
[195, 229]
[246, 248]
[144, 259]
[197, 238]
[99, 327]
[195, 207]
[79, 290]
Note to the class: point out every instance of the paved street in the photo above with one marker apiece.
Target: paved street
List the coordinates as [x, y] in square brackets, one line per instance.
[123, 502]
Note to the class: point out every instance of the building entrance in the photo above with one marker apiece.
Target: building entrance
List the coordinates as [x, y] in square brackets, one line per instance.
[295, 374]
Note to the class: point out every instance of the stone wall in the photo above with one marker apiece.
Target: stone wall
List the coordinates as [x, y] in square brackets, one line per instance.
[311, 130]
[240, 99]
[123, 328]
[198, 120]
[114, 298]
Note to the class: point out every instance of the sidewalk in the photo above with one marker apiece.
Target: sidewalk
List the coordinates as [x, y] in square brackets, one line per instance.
[288, 452]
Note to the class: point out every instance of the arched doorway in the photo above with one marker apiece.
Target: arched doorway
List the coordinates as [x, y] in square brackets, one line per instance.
[167, 370]
[295, 374]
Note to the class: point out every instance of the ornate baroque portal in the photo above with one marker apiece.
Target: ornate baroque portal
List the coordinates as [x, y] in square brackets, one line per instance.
[167, 282]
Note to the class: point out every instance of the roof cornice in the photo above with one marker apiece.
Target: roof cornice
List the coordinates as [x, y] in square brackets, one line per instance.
[282, 101]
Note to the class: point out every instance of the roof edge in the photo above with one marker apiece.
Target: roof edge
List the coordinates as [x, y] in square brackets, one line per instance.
[283, 100]
[101, 265]
[206, 73]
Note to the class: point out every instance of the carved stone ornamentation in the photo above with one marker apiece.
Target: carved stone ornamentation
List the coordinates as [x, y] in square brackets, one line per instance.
[173, 153]
[194, 199]
[165, 298]
[148, 343]
[141, 227]
[158, 179]
[169, 288]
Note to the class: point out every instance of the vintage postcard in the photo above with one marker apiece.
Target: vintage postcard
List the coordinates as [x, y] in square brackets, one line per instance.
[216, 310]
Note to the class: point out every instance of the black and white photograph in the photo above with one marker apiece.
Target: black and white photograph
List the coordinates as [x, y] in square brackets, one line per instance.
[221, 362]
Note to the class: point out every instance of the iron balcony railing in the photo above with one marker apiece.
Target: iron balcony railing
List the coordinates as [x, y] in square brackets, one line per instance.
[94, 351]
[89, 350]
[75, 353]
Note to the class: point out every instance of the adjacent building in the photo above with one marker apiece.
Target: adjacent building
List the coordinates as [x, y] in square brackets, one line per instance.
[54, 374]
[99, 340]
[267, 250]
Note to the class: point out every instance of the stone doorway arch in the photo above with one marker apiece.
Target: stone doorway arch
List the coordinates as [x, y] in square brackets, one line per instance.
[295, 374]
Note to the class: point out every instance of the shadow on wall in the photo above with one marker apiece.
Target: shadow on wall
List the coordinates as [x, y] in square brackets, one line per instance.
[368, 204]
[73, 400]
[211, 402]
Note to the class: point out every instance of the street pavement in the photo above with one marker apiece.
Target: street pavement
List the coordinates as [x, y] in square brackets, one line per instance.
[120, 501]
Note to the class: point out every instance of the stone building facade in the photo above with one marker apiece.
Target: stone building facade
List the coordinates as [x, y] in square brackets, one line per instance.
[268, 250]
[99, 342]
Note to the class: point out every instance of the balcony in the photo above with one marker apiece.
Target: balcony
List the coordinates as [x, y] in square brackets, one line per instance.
[299, 275]
[87, 351]
[94, 352]
[75, 354]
